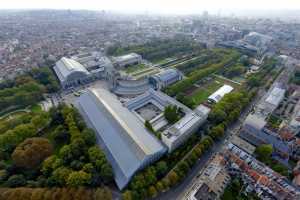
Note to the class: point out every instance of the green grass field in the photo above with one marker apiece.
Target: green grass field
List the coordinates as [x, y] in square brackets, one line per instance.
[201, 94]
[36, 108]
[135, 68]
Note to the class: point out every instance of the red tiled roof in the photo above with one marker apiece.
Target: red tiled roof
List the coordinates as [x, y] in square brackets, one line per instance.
[263, 180]
[296, 180]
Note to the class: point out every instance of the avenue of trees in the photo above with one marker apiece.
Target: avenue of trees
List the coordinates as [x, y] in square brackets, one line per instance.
[158, 49]
[201, 73]
[164, 174]
[63, 193]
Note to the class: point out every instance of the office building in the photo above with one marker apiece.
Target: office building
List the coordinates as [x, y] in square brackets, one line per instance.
[179, 132]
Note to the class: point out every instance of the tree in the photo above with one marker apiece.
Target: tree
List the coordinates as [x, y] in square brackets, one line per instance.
[95, 154]
[60, 135]
[253, 81]
[217, 116]
[171, 114]
[106, 173]
[103, 194]
[152, 192]
[61, 175]
[16, 181]
[65, 153]
[183, 168]
[78, 178]
[138, 182]
[127, 195]
[217, 131]
[185, 100]
[173, 178]
[166, 183]
[30, 153]
[40, 121]
[149, 126]
[50, 164]
[198, 150]
[235, 71]
[264, 151]
[150, 175]
[192, 158]
[159, 186]
[89, 137]
[3, 175]
[207, 142]
[161, 168]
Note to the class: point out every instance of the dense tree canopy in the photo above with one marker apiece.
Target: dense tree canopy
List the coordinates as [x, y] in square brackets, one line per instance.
[31, 152]
[172, 114]
[63, 193]
[264, 151]
[158, 49]
[199, 74]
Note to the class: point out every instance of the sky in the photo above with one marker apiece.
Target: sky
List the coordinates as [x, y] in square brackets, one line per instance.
[158, 6]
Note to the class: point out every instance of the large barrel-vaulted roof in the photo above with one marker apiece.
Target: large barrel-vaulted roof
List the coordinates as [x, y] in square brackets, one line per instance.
[65, 67]
[128, 145]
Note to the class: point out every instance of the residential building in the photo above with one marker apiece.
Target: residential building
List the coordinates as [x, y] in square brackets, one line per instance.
[212, 181]
[258, 177]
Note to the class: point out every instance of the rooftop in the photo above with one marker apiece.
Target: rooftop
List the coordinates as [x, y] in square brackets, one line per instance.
[220, 93]
[65, 67]
[127, 57]
[276, 96]
[167, 74]
[126, 141]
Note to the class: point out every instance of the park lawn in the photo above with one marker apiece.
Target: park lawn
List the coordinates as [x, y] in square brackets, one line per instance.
[36, 108]
[227, 82]
[201, 94]
[142, 72]
[135, 68]
[163, 61]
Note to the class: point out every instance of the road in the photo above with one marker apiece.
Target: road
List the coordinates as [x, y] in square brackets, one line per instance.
[180, 190]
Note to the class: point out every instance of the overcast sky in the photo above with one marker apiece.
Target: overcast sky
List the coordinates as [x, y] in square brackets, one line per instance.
[160, 6]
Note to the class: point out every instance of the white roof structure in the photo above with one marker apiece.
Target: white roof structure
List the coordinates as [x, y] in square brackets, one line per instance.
[220, 93]
[67, 68]
[127, 144]
[127, 57]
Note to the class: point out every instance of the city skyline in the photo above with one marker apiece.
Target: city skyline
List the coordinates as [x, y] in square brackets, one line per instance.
[155, 6]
